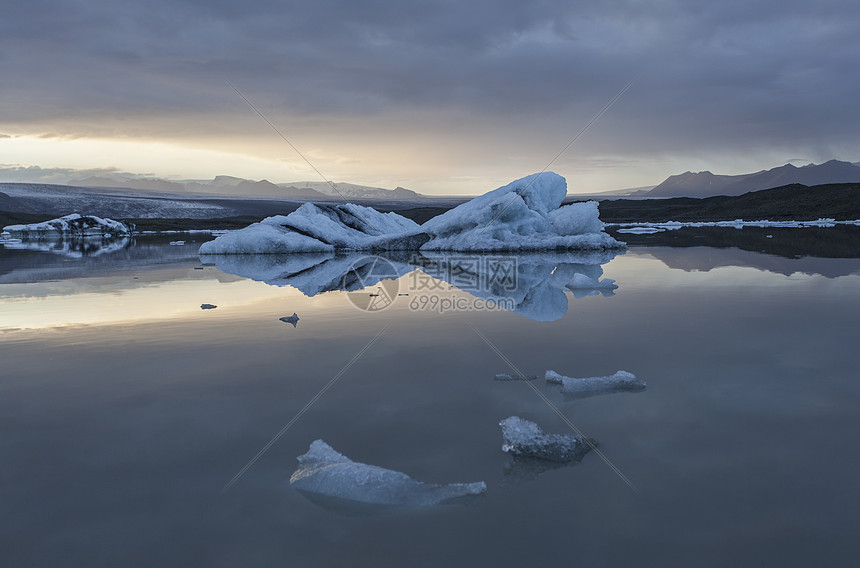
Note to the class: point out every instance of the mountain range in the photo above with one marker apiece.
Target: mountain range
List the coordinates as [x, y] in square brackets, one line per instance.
[707, 184]
[238, 187]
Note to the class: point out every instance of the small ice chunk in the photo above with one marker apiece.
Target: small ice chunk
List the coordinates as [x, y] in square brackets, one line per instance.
[641, 230]
[177, 243]
[621, 381]
[293, 319]
[507, 377]
[524, 438]
[323, 473]
[208, 306]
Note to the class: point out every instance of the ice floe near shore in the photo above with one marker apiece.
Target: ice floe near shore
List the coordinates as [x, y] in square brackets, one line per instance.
[334, 480]
[74, 225]
[525, 215]
[621, 381]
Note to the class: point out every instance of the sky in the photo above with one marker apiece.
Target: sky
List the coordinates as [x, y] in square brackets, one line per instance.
[442, 97]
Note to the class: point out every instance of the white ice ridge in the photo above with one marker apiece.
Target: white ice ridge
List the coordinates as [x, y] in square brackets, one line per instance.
[525, 215]
[621, 381]
[320, 228]
[323, 472]
[523, 438]
[70, 225]
[653, 227]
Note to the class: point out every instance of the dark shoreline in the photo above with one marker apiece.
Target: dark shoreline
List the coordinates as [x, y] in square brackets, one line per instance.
[791, 202]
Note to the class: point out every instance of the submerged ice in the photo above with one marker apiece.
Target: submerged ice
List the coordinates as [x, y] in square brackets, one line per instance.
[525, 215]
[323, 473]
[525, 439]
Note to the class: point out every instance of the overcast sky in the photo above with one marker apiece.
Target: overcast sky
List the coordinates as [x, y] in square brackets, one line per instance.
[438, 96]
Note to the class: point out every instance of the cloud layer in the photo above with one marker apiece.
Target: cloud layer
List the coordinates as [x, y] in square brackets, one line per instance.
[464, 83]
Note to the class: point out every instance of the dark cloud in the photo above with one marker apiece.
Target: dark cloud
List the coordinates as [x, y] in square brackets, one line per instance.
[708, 75]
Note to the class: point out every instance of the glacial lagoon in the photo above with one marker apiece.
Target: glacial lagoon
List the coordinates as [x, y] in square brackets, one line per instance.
[139, 429]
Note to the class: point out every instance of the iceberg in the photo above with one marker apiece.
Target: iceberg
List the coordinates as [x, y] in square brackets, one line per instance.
[333, 480]
[621, 381]
[525, 215]
[70, 225]
[525, 439]
[321, 228]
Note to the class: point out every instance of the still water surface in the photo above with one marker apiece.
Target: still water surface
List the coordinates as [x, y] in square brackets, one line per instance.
[125, 409]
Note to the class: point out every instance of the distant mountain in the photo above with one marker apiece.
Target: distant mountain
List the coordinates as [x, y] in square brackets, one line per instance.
[707, 184]
[790, 202]
[238, 187]
[159, 185]
[353, 191]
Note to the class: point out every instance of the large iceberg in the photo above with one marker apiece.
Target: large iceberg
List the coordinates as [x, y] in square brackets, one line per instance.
[525, 439]
[573, 387]
[333, 480]
[525, 215]
[75, 225]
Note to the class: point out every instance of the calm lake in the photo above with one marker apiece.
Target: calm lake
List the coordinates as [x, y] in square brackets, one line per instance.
[126, 409]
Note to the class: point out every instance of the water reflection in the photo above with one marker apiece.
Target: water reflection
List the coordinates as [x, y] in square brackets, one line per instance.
[532, 285]
[71, 246]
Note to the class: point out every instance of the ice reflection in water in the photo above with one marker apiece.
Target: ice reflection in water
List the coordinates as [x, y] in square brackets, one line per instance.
[532, 285]
[71, 246]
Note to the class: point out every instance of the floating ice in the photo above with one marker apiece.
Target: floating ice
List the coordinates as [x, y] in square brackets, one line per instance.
[320, 228]
[325, 474]
[507, 377]
[177, 243]
[525, 215]
[642, 230]
[70, 225]
[525, 439]
[208, 306]
[644, 227]
[621, 381]
[293, 319]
